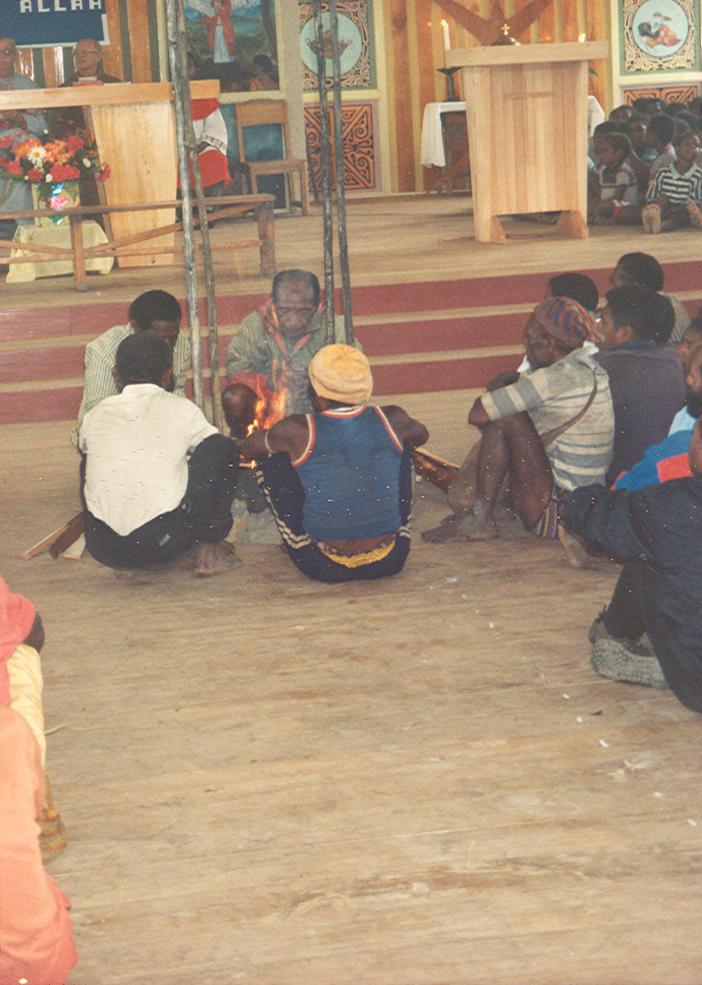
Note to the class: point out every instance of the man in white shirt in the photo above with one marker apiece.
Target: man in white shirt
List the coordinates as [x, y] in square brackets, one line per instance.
[154, 311]
[145, 505]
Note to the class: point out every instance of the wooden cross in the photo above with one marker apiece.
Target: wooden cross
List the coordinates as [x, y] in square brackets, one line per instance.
[498, 28]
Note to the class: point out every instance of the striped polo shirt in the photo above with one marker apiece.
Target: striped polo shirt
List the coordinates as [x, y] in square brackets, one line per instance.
[100, 358]
[553, 396]
[676, 187]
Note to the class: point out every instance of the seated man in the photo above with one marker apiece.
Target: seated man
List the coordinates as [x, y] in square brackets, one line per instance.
[339, 481]
[157, 312]
[670, 459]
[270, 351]
[646, 380]
[643, 270]
[145, 505]
[36, 944]
[547, 432]
[656, 532]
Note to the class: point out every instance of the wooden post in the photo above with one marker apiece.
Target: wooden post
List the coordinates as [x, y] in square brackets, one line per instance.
[264, 215]
[402, 102]
[340, 181]
[325, 172]
[76, 229]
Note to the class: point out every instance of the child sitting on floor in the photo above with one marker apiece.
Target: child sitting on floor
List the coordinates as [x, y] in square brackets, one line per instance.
[617, 184]
[674, 195]
[659, 137]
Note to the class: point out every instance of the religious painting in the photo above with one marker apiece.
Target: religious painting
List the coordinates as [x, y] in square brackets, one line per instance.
[660, 35]
[234, 41]
[355, 41]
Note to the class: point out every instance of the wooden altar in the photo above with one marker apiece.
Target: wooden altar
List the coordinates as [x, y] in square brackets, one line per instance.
[134, 127]
[527, 128]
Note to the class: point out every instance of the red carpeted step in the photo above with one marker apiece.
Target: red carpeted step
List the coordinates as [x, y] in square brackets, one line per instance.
[49, 404]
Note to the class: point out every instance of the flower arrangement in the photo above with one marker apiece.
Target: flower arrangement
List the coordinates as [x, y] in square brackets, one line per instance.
[51, 161]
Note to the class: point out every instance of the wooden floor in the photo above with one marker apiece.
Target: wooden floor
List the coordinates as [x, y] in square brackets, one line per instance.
[418, 782]
[390, 240]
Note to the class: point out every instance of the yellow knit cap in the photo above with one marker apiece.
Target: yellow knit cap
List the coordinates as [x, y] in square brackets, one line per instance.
[340, 372]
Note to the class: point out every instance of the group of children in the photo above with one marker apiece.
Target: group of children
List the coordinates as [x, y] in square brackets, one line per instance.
[645, 166]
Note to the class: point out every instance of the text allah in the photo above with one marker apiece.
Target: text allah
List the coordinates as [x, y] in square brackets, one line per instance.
[57, 6]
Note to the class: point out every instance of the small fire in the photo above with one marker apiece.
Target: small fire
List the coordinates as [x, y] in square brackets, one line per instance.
[269, 410]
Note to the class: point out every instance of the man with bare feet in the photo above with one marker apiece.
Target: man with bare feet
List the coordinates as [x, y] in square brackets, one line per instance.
[547, 432]
[339, 481]
[146, 506]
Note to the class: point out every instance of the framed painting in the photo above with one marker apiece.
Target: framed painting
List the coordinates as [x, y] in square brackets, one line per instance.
[355, 40]
[660, 36]
[234, 41]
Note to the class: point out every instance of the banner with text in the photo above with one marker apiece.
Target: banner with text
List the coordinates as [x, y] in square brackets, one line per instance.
[42, 23]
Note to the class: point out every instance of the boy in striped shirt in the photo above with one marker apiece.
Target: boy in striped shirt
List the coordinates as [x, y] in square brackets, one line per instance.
[674, 195]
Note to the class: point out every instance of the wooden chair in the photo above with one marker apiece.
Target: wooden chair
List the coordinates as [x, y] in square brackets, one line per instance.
[261, 112]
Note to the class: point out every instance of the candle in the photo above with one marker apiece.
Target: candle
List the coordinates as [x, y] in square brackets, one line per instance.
[447, 36]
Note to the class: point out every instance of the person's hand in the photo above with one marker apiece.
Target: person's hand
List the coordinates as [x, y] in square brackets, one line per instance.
[502, 379]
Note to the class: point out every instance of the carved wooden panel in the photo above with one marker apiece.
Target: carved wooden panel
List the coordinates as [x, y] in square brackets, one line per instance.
[360, 151]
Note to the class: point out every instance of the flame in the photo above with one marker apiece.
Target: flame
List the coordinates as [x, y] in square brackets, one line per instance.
[269, 410]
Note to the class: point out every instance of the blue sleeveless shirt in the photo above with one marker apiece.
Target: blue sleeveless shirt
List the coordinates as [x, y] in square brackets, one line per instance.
[350, 472]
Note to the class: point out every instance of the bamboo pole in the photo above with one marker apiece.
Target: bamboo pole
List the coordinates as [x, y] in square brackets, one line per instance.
[325, 172]
[175, 19]
[340, 182]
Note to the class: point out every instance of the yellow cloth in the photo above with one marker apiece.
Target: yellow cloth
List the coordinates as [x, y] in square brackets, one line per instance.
[26, 685]
[51, 235]
[358, 560]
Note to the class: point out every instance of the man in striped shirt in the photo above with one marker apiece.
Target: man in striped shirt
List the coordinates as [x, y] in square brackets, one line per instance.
[547, 432]
[674, 195]
[154, 311]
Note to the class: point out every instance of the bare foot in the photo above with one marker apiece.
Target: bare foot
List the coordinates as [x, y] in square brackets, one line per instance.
[478, 523]
[574, 549]
[444, 532]
[214, 559]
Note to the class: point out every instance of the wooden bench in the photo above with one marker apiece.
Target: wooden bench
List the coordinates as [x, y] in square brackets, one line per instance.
[224, 207]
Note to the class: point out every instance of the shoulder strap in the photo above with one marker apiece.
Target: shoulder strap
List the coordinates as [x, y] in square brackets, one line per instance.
[550, 436]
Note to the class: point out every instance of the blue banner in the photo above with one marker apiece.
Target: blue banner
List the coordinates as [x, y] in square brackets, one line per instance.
[40, 23]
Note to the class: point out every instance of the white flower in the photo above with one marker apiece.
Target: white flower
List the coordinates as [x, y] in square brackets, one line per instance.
[48, 177]
[36, 156]
[86, 162]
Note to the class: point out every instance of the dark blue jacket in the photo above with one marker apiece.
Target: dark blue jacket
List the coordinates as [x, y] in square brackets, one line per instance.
[659, 530]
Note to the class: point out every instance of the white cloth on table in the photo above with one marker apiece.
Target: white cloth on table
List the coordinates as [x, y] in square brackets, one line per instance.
[433, 152]
[21, 273]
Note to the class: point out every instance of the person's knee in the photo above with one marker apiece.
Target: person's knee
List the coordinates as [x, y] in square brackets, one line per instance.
[239, 405]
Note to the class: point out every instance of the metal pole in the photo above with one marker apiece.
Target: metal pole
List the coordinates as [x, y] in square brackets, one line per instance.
[340, 183]
[325, 171]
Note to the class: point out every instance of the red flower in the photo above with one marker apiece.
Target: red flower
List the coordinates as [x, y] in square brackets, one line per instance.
[13, 167]
[35, 175]
[64, 172]
[6, 142]
[74, 143]
[105, 173]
